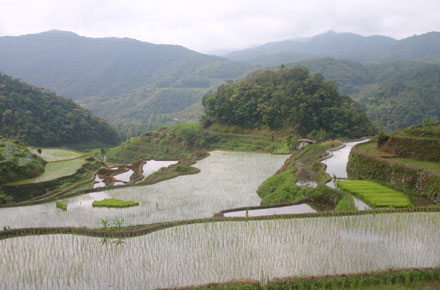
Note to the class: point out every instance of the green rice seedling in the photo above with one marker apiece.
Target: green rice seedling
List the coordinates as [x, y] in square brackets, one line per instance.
[375, 194]
[224, 251]
[227, 180]
[61, 205]
[114, 203]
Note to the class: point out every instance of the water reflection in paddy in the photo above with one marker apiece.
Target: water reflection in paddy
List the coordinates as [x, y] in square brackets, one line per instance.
[337, 168]
[290, 209]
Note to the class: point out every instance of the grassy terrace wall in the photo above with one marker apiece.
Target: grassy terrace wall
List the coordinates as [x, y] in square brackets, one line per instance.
[413, 147]
[25, 192]
[405, 177]
[412, 278]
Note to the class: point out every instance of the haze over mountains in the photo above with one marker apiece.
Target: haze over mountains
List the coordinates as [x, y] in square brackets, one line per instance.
[123, 80]
[137, 85]
[347, 46]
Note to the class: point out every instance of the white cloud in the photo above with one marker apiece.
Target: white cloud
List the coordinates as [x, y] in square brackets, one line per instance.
[217, 24]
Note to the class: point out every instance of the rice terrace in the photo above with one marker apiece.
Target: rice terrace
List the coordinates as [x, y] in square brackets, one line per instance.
[311, 162]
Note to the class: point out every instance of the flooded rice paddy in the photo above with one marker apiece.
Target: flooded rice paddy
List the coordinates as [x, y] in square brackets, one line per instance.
[290, 209]
[227, 180]
[220, 252]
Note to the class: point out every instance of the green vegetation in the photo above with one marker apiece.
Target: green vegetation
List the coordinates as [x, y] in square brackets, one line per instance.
[61, 205]
[392, 279]
[413, 147]
[54, 170]
[170, 172]
[346, 203]
[17, 162]
[40, 118]
[394, 95]
[135, 85]
[430, 130]
[181, 141]
[114, 202]
[426, 165]
[345, 46]
[375, 194]
[304, 165]
[287, 99]
[309, 166]
[397, 174]
[56, 154]
[47, 190]
[371, 149]
[281, 188]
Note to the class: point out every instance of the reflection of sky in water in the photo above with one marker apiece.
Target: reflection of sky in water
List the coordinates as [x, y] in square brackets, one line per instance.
[153, 165]
[337, 166]
[291, 209]
[227, 180]
[88, 199]
[124, 176]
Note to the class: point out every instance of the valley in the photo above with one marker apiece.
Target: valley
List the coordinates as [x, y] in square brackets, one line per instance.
[293, 165]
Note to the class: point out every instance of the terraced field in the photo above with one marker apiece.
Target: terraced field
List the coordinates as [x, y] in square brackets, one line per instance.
[60, 162]
[375, 194]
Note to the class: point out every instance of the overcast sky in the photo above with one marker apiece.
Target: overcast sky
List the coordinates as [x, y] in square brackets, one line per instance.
[205, 25]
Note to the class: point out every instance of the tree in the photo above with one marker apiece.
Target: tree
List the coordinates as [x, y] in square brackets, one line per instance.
[103, 151]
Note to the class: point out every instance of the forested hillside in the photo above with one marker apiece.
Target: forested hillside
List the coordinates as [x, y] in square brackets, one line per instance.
[345, 46]
[134, 85]
[394, 94]
[40, 118]
[287, 98]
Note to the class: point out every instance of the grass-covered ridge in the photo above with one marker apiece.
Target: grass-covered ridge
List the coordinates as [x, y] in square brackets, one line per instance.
[17, 162]
[181, 141]
[304, 165]
[375, 194]
[114, 203]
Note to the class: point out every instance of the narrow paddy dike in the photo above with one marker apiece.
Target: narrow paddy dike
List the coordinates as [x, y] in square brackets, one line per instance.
[226, 180]
[209, 252]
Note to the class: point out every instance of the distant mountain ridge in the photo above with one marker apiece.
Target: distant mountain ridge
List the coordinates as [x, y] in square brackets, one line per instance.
[345, 46]
[125, 81]
[393, 94]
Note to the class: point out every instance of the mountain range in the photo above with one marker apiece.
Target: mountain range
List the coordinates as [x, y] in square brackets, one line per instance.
[132, 84]
[137, 85]
[345, 46]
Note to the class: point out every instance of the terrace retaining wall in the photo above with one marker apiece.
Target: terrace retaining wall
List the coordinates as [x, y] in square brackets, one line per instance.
[400, 175]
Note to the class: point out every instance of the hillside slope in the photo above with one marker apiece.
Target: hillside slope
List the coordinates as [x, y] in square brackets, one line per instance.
[122, 80]
[393, 94]
[40, 118]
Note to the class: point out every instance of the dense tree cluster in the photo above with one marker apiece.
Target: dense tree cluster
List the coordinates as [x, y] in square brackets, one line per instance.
[40, 118]
[287, 98]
